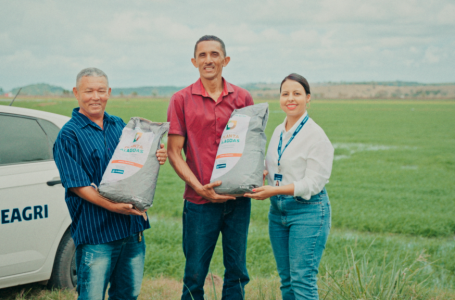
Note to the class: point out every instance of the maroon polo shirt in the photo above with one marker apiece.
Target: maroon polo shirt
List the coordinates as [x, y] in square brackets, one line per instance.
[194, 115]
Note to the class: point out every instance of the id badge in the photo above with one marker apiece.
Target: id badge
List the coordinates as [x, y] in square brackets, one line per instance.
[277, 179]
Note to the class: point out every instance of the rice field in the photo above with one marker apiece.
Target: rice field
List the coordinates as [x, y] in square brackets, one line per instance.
[392, 192]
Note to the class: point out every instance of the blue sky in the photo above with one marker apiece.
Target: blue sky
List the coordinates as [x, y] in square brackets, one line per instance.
[143, 43]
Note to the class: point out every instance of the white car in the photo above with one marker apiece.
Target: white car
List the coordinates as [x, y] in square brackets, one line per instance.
[35, 240]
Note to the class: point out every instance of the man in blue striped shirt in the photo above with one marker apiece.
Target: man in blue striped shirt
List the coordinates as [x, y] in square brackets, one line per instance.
[107, 235]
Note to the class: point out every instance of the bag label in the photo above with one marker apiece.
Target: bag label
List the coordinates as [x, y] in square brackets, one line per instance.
[130, 154]
[232, 144]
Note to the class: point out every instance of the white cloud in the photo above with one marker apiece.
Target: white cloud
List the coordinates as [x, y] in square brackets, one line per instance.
[446, 15]
[431, 55]
[151, 42]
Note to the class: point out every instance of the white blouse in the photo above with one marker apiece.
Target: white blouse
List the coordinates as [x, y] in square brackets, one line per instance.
[306, 162]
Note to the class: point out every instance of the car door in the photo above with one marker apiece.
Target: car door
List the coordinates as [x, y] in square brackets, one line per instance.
[32, 206]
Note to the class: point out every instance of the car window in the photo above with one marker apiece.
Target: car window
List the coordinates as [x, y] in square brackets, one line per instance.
[51, 131]
[22, 140]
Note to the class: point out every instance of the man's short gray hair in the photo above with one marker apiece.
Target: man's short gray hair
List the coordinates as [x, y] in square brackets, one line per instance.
[91, 72]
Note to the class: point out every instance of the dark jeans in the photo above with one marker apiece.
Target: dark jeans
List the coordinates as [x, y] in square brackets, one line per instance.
[120, 263]
[202, 224]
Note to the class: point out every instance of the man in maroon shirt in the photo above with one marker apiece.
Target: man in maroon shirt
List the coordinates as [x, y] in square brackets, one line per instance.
[198, 116]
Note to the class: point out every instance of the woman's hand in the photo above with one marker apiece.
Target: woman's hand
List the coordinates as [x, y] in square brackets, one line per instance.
[162, 154]
[264, 175]
[262, 192]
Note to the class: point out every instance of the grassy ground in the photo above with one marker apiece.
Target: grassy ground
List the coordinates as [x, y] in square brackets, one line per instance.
[392, 192]
[162, 288]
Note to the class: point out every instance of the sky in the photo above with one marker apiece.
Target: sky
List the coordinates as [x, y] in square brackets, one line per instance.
[150, 43]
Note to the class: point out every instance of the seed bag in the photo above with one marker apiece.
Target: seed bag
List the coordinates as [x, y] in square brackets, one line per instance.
[239, 161]
[133, 170]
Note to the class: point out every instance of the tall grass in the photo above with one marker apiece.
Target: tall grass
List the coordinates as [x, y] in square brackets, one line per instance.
[360, 279]
[395, 278]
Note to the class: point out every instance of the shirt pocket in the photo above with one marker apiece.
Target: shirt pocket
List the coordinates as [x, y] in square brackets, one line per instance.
[97, 165]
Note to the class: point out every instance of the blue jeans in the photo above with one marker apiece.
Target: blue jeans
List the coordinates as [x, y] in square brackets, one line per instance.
[298, 231]
[120, 263]
[202, 224]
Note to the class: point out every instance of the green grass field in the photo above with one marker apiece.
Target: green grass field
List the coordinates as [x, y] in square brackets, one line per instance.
[392, 190]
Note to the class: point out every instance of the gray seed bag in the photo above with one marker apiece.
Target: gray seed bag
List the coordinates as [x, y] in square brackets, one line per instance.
[133, 170]
[239, 161]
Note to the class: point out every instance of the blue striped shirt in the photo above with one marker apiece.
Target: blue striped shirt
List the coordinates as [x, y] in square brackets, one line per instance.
[82, 152]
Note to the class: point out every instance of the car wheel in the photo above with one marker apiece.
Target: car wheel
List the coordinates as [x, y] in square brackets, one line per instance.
[64, 270]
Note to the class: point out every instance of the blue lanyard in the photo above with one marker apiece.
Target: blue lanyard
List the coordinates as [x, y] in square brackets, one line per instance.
[297, 130]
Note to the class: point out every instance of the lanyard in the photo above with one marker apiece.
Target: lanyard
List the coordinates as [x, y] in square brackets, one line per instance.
[297, 130]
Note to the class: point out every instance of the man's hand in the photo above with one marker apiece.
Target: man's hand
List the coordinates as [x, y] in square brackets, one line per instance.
[124, 208]
[175, 144]
[161, 154]
[91, 195]
[264, 175]
[207, 192]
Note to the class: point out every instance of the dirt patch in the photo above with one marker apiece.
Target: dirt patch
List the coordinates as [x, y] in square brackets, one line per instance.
[47, 103]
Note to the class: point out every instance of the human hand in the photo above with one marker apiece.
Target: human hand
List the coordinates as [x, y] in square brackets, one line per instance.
[207, 192]
[161, 154]
[124, 208]
[264, 175]
[262, 192]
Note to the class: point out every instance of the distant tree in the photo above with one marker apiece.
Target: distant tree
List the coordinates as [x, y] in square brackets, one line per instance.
[1, 91]
[134, 93]
[121, 94]
[66, 92]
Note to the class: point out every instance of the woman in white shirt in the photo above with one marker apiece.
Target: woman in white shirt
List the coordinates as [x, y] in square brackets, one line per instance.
[298, 164]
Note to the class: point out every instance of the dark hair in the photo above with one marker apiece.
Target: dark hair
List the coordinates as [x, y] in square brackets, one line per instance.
[300, 79]
[210, 38]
